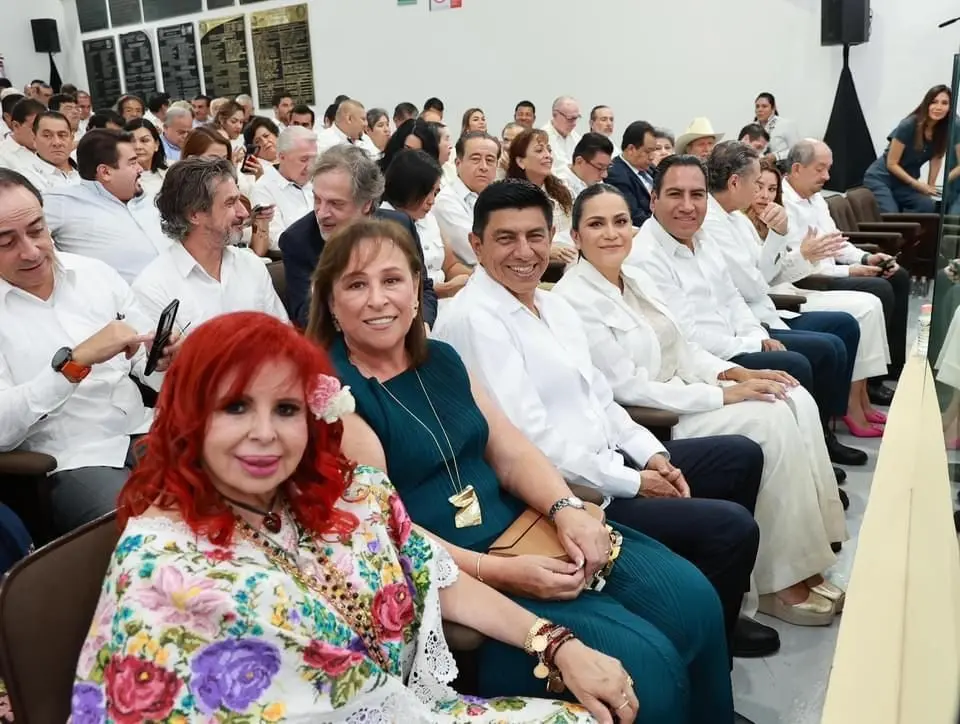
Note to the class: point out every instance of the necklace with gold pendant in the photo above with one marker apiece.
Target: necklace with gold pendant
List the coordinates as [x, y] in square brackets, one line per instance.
[465, 499]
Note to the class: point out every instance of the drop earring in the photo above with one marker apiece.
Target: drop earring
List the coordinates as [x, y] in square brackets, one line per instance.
[336, 323]
[416, 308]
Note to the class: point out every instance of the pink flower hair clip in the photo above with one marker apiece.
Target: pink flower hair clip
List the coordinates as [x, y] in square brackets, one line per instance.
[329, 401]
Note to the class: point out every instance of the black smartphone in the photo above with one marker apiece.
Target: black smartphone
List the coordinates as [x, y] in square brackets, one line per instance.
[162, 338]
[251, 149]
[887, 263]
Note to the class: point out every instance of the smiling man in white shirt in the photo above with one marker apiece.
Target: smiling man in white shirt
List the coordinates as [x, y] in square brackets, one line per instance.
[289, 191]
[477, 156]
[200, 209]
[18, 150]
[347, 126]
[105, 215]
[591, 162]
[809, 162]
[562, 130]
[71, 334]
[528, 349]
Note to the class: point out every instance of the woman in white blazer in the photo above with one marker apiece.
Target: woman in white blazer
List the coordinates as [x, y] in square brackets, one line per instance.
[638, 346]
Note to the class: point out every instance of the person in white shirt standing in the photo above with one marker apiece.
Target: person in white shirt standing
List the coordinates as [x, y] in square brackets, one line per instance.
[347, 126]
[282, 106]
[591, 161]
[71, 335]
[104, 215]
[477, 157]
[852, 269]
[562, 130]
[18, 150]
[52, 167]
[289, 191]
[201, 212]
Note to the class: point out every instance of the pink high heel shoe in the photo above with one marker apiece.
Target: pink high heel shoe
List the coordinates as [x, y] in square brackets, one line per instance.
[952, 444]
[857, 431]
[876, 417]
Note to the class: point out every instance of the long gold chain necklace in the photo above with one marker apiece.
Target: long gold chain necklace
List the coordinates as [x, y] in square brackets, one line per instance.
[326, 580]
[465, 500]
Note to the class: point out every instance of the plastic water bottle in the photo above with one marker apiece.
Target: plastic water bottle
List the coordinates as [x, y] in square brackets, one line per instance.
[923, 330]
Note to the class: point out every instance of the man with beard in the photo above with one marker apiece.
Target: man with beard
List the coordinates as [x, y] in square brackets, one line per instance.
[201, 211]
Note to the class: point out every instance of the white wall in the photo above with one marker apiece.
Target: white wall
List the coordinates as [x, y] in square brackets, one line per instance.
[656, 61]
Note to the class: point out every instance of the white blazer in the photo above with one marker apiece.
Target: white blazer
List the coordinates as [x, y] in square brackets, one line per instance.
[625, 347]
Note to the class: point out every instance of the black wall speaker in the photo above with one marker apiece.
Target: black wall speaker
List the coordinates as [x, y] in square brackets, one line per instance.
[46, 39]
[844, 22]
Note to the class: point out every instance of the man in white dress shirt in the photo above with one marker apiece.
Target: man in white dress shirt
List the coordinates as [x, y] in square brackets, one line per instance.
[347, 126]
[201, 110]
[71, 334]
[601, 121]
[282, 106]
[690, 268]
[289, 191]
[852, 269]
[52, 167]
[477, 156]
[201, 211]
[157, 106]
[562, 130]
[528, 349]
[591, 162]
[105, 215]
[176, 127]
[525, 113]
[18, 150]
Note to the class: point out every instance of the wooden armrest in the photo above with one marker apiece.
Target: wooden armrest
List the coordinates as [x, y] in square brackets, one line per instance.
[554, 272]
[584, 493]
[461, 638]
[918, 216]
[816, 282]
[788, 302]
[653, 419]
[909, 229]
[22, 462]
[889, 241]
[274, 255]
[868, 248]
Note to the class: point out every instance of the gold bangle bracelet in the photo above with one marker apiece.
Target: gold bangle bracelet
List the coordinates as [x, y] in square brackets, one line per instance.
[479, 558]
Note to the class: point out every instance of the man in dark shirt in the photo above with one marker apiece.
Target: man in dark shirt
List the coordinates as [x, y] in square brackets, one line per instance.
[347, 185]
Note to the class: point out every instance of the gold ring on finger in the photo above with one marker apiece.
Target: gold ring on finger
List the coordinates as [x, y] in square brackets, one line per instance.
[626, 702]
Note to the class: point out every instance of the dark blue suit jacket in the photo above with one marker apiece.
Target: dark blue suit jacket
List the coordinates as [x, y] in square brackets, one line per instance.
[302, 244]
[623, 177]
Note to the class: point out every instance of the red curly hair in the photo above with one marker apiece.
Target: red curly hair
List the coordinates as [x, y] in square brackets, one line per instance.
[171, 477]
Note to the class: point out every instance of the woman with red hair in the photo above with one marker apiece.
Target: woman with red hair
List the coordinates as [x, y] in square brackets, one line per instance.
[261, 575]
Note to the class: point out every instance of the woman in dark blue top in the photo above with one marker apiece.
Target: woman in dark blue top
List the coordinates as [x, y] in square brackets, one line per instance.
[443, 438]
[920, 138]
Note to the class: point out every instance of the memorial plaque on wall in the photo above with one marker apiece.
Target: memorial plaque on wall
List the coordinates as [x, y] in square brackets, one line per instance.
[92, 15]
[139, 69]
[178, 61]
[163, 9]
[103, 73]
[281, 54]
[223, 45]
[125, 12]
[218, 4]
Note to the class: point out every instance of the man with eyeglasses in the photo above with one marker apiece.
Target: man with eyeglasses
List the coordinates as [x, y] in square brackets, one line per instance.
[631, 172]
[591, 163]
[562, 130]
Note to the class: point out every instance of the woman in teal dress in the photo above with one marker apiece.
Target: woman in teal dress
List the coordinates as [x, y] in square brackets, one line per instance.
[443, 438]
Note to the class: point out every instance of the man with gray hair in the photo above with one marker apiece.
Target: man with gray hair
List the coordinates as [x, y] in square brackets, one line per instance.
[246, 102]
[347, 186]
[177, 125]
[201, 211]
[289, 191]
[562, 130]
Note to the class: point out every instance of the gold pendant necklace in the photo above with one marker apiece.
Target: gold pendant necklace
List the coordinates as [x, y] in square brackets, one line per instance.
[465, 499]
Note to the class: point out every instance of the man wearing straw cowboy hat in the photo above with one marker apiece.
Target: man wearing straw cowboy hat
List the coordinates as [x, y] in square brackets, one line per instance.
[699, 139]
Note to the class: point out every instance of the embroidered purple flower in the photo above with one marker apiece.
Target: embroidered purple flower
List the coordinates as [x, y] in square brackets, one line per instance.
[87, 705]
[233, 673]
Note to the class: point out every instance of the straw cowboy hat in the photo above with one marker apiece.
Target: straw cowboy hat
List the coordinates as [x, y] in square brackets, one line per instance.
[698, 128]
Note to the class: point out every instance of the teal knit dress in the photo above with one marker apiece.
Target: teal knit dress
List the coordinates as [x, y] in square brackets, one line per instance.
[658, 615]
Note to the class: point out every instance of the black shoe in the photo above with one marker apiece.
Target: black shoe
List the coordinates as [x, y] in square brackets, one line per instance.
[844, 499]
[840, 454]
[752, 639]
[741, 719]
[879, 394]
[840, 474]
[836, 547]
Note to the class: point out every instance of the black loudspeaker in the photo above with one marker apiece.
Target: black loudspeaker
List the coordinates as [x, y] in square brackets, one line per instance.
[46, 39]
[844, 22]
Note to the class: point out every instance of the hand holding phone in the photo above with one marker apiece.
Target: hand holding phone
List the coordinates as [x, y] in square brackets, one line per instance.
[887, 264]
[162, 337]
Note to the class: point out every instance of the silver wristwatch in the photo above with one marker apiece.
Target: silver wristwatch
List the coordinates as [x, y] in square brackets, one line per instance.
[572, 502]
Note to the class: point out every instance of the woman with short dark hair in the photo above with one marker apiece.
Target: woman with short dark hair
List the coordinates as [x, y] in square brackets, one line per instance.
[150, 154]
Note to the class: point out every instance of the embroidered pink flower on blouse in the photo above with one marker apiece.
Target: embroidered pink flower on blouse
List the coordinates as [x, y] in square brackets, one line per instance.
[329, 401]
[189, 601]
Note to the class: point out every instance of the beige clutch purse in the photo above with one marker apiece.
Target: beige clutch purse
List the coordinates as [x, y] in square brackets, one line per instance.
[534, 534]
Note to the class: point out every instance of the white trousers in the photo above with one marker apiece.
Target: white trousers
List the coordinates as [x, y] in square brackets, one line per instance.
[798, 509]
[873, 354]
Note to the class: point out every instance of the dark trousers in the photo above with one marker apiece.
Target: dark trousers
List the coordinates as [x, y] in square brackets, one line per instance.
[714, 529]
[829, 340]
[894, 295]
[893, 196]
